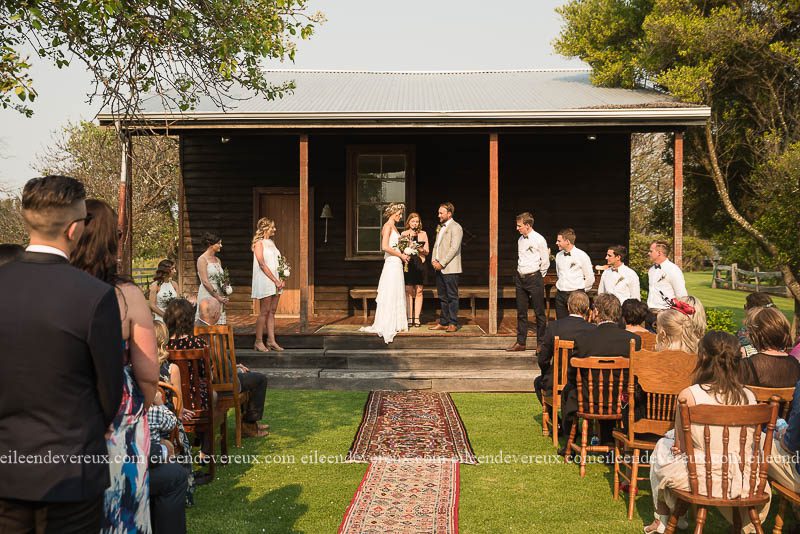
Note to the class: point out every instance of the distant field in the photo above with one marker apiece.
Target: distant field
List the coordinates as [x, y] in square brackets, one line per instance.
[699, 285]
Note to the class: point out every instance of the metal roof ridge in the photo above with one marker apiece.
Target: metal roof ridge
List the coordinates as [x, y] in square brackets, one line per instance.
[468, 71]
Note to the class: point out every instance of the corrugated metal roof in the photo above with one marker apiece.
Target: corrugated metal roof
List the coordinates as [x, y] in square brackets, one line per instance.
[341, 96]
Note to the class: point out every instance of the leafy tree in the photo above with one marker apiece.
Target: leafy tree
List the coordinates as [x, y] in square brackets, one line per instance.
[179, 50]
[741, 58]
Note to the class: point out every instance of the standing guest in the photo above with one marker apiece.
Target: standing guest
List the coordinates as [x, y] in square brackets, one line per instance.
[716, 382]
[608, 339]
[250, 381]
[161, 289]
[753, 300]
[447, 264]
[568, 328]
[634, 314]
[60, 369]
[127, 503]
[209, 266]
[533, 260]
[771, 366]
[10, 252]
[619, 279]
[665, 279]
[414, 272]
[267, 283]
[574, 270]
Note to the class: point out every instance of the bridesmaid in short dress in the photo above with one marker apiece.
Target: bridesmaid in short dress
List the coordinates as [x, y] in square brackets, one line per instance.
[208, 264]
[267, 284]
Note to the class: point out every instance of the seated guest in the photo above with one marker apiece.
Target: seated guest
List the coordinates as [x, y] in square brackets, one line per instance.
[753, 300]
[634, 313]
[168, 479]
[771, 366]
[250, 381]
[784, 467]
[10, 252]
[698, 319]
[179, 318]
[567, 329]
[716, 382]
[677, 329]
[608, 339]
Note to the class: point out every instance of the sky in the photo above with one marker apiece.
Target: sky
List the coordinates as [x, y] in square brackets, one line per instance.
[358, 35]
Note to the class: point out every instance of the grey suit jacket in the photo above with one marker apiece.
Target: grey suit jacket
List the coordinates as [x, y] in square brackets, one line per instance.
[447, 248]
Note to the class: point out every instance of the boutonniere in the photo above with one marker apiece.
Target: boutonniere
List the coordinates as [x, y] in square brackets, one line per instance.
[620, 279]
[663, 277]
[573, 264]
[438, 227]
[530, 248]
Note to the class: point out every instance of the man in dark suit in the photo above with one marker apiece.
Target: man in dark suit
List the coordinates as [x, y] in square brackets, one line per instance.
[568, 329]
[608, 339]
[60, 371]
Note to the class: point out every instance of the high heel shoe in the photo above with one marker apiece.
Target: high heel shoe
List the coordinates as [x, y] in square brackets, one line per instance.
[261, 347]
[275, 347]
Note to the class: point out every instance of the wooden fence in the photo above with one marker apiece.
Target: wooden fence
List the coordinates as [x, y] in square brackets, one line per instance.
[143, 276]
[732, 277]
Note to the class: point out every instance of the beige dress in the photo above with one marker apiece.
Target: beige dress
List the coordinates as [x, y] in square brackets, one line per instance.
[668, 471]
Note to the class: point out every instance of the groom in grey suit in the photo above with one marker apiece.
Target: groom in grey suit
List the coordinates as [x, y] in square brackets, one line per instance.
[446, 262]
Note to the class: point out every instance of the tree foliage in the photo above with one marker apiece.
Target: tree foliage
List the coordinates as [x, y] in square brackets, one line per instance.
[178, 50]
[741, 58]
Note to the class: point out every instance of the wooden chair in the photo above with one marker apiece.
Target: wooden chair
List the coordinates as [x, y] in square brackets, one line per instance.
[551, 400]
[197, 393]
[608, 385]
[660, 376]
[764, 395]
[224, 378]
[648, 340]
[785, 495]
[736, 422]
[176, 403]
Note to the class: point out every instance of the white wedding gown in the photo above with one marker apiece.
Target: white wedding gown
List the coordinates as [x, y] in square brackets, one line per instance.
[390, 315]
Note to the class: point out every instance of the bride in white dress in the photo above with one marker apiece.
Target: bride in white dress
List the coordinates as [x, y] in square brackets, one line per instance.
[390, 315]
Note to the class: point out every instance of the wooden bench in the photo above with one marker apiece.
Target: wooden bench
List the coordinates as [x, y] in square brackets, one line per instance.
[464, 292]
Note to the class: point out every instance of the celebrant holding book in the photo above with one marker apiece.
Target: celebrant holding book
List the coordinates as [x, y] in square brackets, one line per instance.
[414, 272]
[210, 272]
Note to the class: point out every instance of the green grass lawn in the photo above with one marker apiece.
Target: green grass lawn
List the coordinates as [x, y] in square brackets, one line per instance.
[496, 497]
[698, 284]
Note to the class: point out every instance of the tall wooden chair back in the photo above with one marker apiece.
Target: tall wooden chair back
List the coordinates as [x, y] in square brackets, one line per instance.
[648, 340]
[660, 377]
[739, 425]
[174, 395]
[225, 379]
[551, 400]
[764, 395]
[606, 378]
[195, 368]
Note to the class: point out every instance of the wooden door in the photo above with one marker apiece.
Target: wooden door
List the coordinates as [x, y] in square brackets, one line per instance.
[282, 205]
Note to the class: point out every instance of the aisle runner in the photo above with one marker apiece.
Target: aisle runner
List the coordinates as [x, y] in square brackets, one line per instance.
[416, 442]
[405, 496]
[411, 424]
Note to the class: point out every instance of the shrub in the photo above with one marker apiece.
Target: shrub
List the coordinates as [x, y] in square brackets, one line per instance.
[721, 320]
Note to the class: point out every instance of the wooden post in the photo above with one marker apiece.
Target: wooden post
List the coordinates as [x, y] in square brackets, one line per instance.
[677, 228]
[734, 275]
[755, 275]
[493, 228]
[714, 277]
[304, 249]
[125, 250]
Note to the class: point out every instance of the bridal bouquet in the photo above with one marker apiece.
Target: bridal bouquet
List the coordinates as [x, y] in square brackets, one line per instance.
[223, 282]
[284, 270]
[409, 247]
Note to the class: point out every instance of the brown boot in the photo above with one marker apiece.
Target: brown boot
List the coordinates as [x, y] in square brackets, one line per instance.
[251, 430]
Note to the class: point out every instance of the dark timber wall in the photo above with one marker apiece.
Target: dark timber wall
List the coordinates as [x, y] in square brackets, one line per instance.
[565, 180]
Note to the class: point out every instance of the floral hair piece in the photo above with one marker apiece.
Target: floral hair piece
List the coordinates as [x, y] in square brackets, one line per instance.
[683, 307]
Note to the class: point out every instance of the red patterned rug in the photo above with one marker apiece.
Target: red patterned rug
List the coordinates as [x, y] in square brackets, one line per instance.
[405, 497]
[411, 424]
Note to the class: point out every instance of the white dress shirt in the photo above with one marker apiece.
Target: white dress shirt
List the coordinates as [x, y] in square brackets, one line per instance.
[666, 278]
[436, 241]
[47, 249]
[622, 282]
[574, 270]
[533, 254]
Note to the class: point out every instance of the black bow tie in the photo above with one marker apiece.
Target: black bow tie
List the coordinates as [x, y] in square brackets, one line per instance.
[613, 269]
[656, 266]
[567, 254]
[524, 237]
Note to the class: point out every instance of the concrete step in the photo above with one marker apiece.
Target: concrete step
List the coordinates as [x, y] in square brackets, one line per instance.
[290, 358]
[433, 379]
[408, 359]
[433, 342]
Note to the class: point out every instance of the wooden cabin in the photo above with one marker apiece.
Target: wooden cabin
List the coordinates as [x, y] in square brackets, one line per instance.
[494, 143]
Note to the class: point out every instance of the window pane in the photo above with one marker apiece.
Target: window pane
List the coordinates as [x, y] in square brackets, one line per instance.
[369, 215]
[369, 240]
[394, 191]
[394, 167]
[369, 164]
[369, 191]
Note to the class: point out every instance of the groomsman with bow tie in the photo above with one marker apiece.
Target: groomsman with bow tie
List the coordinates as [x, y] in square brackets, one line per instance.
[619, 279]
[665, 278]
[533, 260]
[574, 270]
